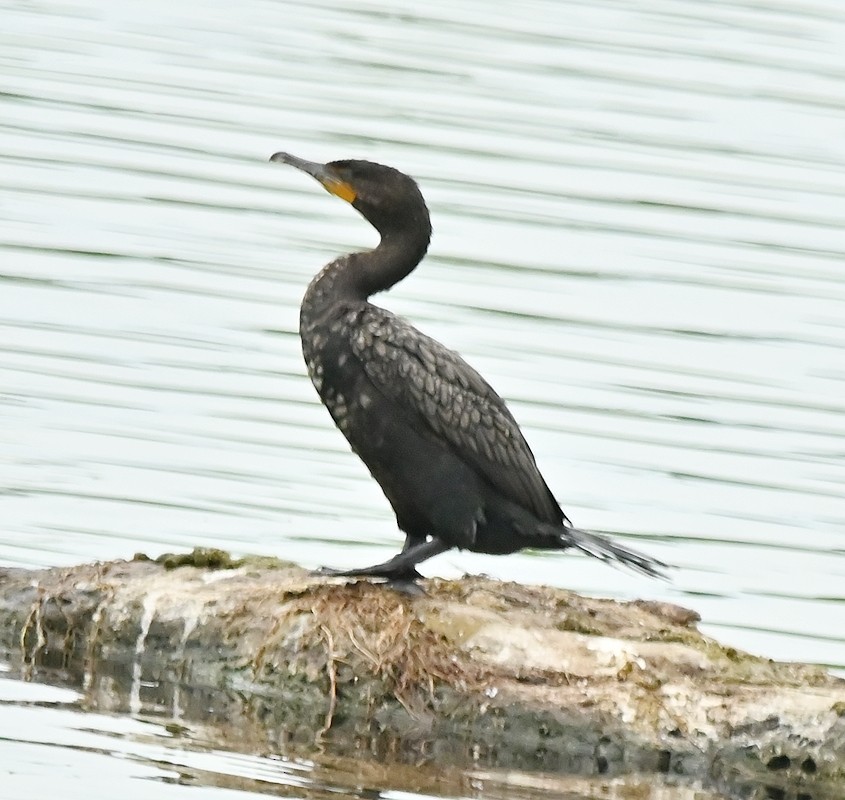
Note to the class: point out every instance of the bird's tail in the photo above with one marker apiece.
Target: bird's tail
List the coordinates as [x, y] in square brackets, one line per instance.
[604, 549]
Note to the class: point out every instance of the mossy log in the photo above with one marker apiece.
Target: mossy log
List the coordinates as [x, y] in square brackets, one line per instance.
[498, 673]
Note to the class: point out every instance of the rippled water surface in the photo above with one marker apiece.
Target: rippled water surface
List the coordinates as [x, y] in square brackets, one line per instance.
[639, 213]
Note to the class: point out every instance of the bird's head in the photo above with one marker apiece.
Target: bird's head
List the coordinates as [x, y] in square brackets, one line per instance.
[387, 198]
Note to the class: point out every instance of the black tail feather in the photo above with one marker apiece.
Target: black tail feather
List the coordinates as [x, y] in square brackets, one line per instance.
[604, 549]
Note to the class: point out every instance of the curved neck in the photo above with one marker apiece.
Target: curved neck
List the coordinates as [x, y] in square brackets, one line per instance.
[396, 257]
[357, 276]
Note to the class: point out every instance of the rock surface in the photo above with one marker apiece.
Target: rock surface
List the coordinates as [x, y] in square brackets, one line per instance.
[477, 670]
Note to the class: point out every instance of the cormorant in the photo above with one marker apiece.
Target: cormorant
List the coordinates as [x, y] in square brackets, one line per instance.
[440, 442]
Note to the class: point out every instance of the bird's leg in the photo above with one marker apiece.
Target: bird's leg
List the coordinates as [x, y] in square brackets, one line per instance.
[412, 541]
[399, 568]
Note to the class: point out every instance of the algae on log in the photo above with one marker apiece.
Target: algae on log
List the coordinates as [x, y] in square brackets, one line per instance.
[503, 674]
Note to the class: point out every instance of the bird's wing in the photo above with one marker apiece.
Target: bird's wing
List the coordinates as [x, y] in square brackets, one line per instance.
[439, 389]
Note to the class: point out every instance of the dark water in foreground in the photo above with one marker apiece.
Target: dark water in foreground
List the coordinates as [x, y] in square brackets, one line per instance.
[639, 236]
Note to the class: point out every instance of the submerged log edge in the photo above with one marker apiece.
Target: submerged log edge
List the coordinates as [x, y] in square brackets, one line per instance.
[476, 670]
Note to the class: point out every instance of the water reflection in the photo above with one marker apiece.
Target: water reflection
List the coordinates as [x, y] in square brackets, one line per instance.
[55, 734]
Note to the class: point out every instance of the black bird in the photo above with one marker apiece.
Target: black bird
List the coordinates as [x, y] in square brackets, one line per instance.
[441, 443]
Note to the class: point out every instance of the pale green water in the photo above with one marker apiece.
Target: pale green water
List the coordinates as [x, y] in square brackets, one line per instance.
[639, 213]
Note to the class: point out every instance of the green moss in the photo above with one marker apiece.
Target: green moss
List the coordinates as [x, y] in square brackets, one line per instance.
[203, 557]
[576, 626]
[213, 558]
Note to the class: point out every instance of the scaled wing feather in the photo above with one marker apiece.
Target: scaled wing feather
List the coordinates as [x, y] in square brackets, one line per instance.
[441, 391]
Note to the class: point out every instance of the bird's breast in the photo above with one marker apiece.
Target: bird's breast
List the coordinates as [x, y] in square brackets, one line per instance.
[334, 370]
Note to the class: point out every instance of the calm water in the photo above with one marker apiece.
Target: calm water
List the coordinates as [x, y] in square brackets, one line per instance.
[639, 213]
